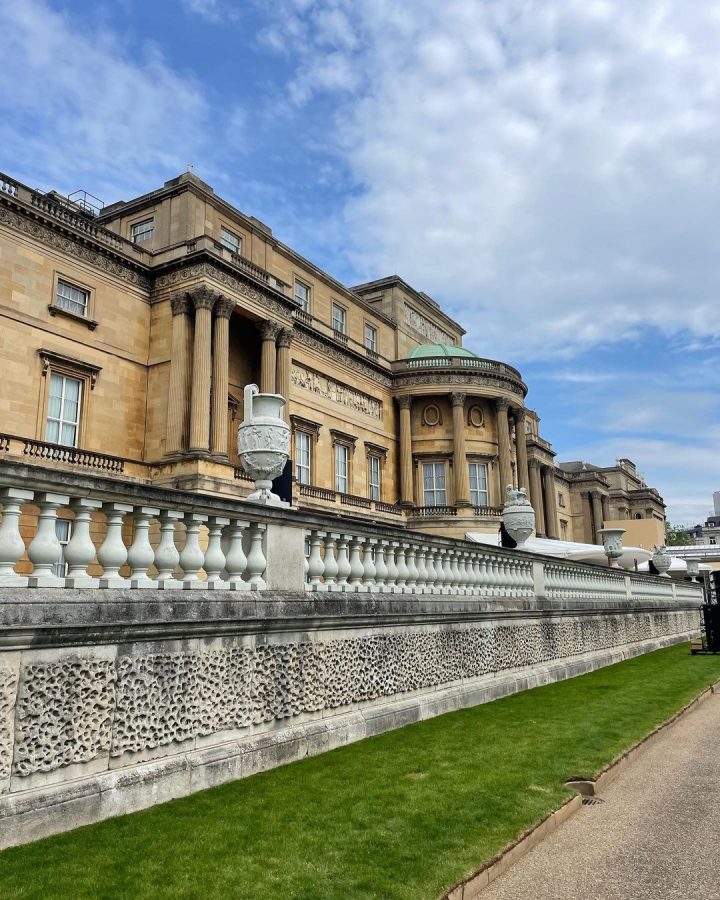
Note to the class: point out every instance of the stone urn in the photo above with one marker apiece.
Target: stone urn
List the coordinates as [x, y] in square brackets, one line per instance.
[518, 516]
[661, 559]
[263, 443]
[693, 569]
[612, 543]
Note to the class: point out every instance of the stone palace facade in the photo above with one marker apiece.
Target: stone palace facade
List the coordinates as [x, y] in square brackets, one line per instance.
[129, 331]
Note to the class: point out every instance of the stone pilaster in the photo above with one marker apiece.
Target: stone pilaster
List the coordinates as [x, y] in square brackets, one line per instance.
[597, 515]
[460, 465]
[203, 300]
[551, 526]
[406, 474]
[536, 497]
[521, 448]
[605, 508]
[283, 368]
[221, 351]
[268, 334]
[178, 411]
[503, 429]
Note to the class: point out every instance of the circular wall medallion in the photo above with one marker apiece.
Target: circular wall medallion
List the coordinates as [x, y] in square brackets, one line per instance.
[431, 415]
[475, 417]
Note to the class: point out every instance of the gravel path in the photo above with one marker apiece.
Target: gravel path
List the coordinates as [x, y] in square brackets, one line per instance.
[657, 835]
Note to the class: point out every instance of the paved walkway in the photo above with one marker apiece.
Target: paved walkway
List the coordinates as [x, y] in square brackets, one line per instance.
[657, 835]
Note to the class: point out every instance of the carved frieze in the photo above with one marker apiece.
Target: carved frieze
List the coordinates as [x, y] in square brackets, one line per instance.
[333, 390]
[468, 380]
[426, 327]
[331, 351]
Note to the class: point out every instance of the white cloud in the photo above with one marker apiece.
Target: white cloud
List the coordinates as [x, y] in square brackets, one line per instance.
[547, 168]
[85, 109]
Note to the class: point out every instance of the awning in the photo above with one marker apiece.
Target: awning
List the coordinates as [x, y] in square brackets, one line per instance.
[587, 553]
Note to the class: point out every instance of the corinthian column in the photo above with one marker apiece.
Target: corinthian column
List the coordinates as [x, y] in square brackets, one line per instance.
[503, 431]
[521, 449]
[536, 497]
[203, 301]
[460, 466]
[268, 334]
[597, 515]
[283, 368]
[550, 503]
[221, 350]
[178, 409]
[406, 479]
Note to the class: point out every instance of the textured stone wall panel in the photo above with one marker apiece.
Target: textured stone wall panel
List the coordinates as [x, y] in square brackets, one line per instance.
[8, 691]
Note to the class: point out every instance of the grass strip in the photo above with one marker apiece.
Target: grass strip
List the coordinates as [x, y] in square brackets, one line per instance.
[402, 815]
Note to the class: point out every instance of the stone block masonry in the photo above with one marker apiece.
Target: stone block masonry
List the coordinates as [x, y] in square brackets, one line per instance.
[110, 702]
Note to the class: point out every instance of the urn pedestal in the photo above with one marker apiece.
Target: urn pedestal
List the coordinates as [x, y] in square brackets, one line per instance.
[263, 443]
[518, 516]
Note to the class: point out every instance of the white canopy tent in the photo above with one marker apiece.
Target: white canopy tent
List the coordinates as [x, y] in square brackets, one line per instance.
[678, 567]
[587, 553]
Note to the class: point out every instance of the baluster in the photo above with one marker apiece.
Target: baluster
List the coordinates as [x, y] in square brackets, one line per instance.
[482, 579]
[167, 558]
[455, 571]
[141, 555]
[447, 570]
[412, 568]
[80, 550]
[422, 569]
[432, 576]
[465, 571]
[214, 557]
[45, 549]
[356, 567]
[331, 564]
[343, 561]
[256, 562]
[369, 570]
[473, 571]
[315, 561]
[12, 545]
[381, 569]
[191, 556]
[392, 569]
[235, 559]
[402, 567]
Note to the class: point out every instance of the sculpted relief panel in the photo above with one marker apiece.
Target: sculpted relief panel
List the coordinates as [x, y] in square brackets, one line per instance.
[74, 711]
[338, 393]
[426, 327]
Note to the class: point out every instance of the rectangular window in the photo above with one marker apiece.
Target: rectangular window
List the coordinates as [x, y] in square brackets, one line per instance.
[339, 318]
[374, 487]
[342, 462]
[231, 241]
[302, 296]
[434, 493]
[561, 499]
[63, 530]
[478, 484]
[71, 298]
[302, 457]
[563, 530]
[143, 231]
[63, 418]
[371, 342]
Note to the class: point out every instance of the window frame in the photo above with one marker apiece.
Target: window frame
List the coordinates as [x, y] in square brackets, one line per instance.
[57, 363]
[305, 434]
[374, 460]
[238, 237]
[435, 463]
[54, 308]
[340, 448]
[343, 319]
[60, 419]
[373, 346]
[60, 567]
[306, 307]
[479, 464]
[151, 234]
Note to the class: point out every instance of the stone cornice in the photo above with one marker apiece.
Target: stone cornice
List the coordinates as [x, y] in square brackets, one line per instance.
[59, 236]
[467, 378]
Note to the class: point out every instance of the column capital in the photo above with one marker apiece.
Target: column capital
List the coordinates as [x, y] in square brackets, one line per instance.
[502, 405]
[534, 464]
[285, 337]
[269, 330]
[181, 304]
[224, 307]
[405, 401]
[519, 413]
[202, 298]
[457, 398]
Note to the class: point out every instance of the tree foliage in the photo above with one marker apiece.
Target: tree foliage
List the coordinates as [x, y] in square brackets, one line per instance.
[677, 536]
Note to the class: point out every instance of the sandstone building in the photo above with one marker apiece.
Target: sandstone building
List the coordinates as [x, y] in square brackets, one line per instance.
[129, 331]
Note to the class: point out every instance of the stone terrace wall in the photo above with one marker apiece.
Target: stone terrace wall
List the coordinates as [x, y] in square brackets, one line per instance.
[111, 703]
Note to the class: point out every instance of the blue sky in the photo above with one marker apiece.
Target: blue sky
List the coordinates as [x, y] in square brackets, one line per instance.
[549, 170]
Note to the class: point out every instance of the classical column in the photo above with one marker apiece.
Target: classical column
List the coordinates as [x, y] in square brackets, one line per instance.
[203, 301]
[605, 508]
[597, 515]
[536, 497]
[460, 465]
[268, 333]
[178, 410]
[406, 477]
[503, 430]
[521, 448]
[551, 526]
[283, 368]
[221, 350]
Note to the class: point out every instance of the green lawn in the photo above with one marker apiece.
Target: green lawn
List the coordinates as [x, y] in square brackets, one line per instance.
[402, 815]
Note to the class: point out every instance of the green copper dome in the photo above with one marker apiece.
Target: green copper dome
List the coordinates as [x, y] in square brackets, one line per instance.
[428, 350]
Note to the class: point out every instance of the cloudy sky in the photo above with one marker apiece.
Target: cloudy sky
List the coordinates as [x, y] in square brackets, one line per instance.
[546, 169]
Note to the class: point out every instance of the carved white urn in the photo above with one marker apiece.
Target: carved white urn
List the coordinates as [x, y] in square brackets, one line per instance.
[612, 542]
[263, 443]
[693, 569]
[518, 516]
[661, 559]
